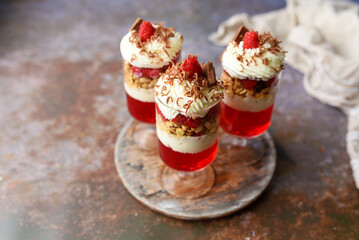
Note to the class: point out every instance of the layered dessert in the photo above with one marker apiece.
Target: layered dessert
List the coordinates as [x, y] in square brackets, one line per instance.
[187, 119]
[148, 50]
[252, 64]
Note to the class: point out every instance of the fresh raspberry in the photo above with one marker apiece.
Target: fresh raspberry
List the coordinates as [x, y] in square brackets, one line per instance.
[192, 66]
[136, 71]
[250, 40]
[248, 84]
[146, 31]
[180, 119]
[146, 72]
[269, 82]
[187, 121]
[193, 123]
[154, 73]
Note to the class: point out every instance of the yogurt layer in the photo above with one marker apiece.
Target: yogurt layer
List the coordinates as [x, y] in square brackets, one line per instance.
[141, 94]
[249, 104]
[186, 144]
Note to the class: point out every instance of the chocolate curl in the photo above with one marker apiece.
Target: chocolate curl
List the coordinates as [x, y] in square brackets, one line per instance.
[210, 73]
[136, 25]
[240, 34]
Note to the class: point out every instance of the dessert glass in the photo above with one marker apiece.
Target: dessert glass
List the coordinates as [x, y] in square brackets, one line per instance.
[187, 122]
[139, 89]
[144, 61]
[252, 65]
[187, 146]
[247, 113]
[148, 50]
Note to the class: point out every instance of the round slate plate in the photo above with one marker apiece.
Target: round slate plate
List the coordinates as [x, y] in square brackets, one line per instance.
[237, 183]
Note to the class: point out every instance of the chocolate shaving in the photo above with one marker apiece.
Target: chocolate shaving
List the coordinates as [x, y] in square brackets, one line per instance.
[274, 42]
[239, 58]
[133, 57]
[136, 25]
[168, 99]
[161, 34]
[265, 61]
[254, 61]
[210, 73]
[194, 86]
[188, 105]
[242, 68]
[240, 34]
[178, 100]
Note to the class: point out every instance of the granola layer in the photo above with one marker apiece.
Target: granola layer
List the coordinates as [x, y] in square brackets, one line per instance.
[208, 127]
[233, 87]
[137, 82]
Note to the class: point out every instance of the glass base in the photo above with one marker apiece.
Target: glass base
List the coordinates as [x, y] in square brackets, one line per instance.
[145, 135]
[188, 185]
[247, 150]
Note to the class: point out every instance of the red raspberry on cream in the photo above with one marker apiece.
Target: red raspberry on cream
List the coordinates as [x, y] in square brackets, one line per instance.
[192, 66]
[250, 40]
[146, 31]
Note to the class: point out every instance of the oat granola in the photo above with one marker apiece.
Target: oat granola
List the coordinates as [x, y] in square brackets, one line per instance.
[233, 86]
[207, 127]
[137, 82]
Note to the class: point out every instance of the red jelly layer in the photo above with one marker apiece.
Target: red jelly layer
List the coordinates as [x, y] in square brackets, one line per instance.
[244, 123]
[142, 111]
[187, 162]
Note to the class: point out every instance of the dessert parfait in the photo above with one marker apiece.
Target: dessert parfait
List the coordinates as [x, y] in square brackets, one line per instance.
[187, 105]
[187, 119]
[148, 50]
[252, 64]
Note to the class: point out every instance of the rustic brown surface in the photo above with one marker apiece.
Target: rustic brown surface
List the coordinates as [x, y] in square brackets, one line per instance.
[238, 181]
[62, 106]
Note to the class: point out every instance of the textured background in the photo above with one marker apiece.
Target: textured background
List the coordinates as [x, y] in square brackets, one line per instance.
[62, 105]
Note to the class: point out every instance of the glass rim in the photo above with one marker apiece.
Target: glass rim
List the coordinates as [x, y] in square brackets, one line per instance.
[178, 110]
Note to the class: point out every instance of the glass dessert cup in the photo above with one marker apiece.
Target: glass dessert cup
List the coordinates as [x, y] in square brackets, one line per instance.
[245, 117]
[187, 146]
[139, 87]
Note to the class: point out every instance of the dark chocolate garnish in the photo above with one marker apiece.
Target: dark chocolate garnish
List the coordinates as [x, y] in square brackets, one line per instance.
[240, 34]
[210, 73]
[136, 25]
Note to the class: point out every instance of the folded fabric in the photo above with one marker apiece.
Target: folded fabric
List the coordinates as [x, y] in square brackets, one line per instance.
[322, 40]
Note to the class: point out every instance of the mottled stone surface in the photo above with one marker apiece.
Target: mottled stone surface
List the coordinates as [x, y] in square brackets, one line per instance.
[62, 105]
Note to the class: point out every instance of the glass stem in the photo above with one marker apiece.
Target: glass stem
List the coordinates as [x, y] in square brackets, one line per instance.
[241, 141]
[185, 174]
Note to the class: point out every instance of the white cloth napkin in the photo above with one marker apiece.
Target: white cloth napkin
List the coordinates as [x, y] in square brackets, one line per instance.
[322, 40]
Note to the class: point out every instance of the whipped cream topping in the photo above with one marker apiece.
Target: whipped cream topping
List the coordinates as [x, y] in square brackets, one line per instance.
[256, 63]
[162, 52]
[174, 99]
